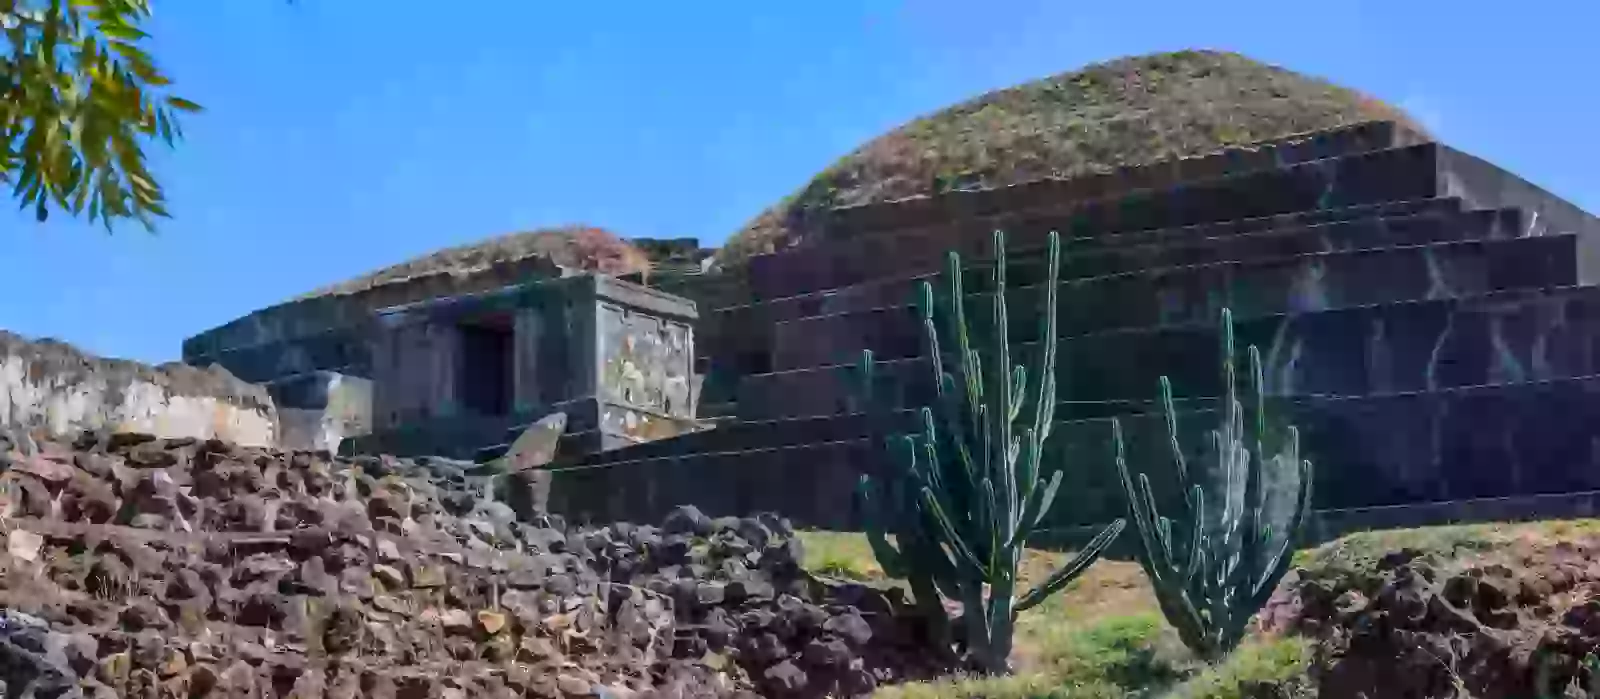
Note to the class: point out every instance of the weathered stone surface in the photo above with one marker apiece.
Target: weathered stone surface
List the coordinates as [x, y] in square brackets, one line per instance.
[616, 357]
[839, 268]
[318, 411]
[1180, 295]
[1380, 628]
[1528, 335]
[737, 339]
[1093, 258]
[54, 387]
[415, 571]
[536, 446]
[1397, 449]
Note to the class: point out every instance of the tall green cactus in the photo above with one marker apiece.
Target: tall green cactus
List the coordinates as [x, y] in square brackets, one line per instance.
[1213, 579]
[978, 486]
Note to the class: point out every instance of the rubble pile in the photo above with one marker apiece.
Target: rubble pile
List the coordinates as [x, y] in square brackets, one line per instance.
[138, 567]
[1508, 623]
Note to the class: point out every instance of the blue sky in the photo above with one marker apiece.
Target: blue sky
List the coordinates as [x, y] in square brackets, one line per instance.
[344, 135]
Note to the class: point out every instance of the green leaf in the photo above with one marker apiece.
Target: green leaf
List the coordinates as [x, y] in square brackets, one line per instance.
[184, 105]
[118, 30]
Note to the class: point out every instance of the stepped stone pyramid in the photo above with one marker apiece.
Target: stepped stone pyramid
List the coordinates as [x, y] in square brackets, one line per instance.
[1427, 319]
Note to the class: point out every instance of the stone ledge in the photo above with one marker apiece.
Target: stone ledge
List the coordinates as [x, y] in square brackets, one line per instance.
[1515, 335]
[748, 330]
[1467, 443]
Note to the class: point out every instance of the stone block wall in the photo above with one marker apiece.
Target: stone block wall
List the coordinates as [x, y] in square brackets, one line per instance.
[646, 354]
[318, 411]
[451, 376]
[414, 367]
[53, 387]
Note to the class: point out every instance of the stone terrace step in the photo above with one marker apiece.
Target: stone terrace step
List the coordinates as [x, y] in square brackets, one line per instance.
[1099, 261]
[738, 339]
[747, 325]
[1505, 337]
[1326, 525]
[745, 436]
[1182, 294]
[1417, 172]
[824, 269]
[871, 219]
[569, 445]
[1496, 441]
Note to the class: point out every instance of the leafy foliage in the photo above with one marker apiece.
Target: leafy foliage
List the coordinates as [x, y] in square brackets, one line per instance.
[978, 484]
[1213, 575]
[82, 98]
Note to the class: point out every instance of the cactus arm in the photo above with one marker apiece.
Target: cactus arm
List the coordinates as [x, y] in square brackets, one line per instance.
[1032, 455]
[1251, 544]
[1047, 421]
[949, 535]
[1170, 411]
[1037, 504]
[1197, 497]
[1279, 564]
[1002, 463]
[944, 382]
[1162, 525]
[1046, 398]
[1142, 516]
[1069, 572]
[1019, 391]
[970, 366]
[891, 559]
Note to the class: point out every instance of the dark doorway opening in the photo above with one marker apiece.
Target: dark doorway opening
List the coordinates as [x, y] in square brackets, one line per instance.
[487, 372]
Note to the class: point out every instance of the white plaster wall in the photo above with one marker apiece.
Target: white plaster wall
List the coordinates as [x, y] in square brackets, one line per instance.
[68, 403]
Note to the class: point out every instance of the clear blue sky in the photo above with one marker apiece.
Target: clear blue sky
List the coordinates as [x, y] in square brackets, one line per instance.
[343, 135]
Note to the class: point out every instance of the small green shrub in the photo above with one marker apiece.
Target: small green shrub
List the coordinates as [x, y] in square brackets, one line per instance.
[1135, 653]
[1126, 657]
[1282, 662]
[840, 555]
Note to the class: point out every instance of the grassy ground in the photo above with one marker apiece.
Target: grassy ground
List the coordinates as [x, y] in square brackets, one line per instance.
[1129, 111]
[1104, 636]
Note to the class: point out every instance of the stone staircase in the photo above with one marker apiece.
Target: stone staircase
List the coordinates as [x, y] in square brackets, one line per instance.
[1426, 319]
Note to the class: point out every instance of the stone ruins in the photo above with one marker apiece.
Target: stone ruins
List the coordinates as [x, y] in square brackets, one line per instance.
[435, 482]
[1424, 317]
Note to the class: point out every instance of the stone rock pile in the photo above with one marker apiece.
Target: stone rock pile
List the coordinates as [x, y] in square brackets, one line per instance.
[137, 567]
[1506, 624]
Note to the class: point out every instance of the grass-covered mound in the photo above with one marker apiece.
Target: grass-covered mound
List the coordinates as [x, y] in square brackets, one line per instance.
[578, 247]
[1128, 111]
[1494, 611]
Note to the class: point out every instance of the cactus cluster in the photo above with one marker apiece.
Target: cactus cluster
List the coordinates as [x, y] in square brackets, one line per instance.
[974, 488]
[977, 484]
[1214, 571]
